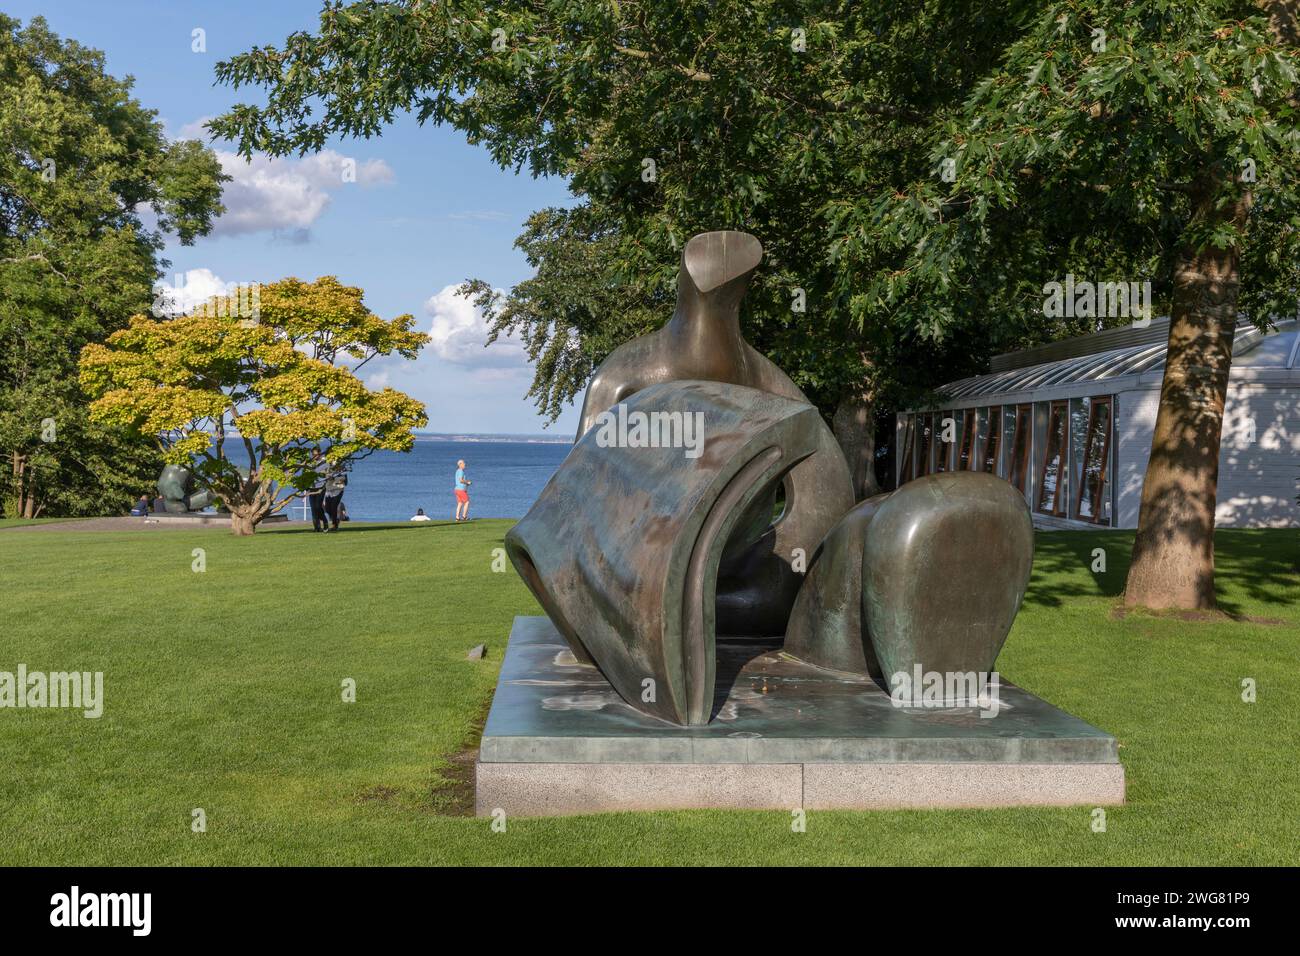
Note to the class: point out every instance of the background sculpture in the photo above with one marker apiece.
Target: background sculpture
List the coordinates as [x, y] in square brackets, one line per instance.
[177, 487]
[702, 340]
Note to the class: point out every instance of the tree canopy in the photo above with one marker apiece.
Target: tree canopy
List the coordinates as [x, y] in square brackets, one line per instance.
[85, 164]
[918, 172]
[282, 381]
[667, 119]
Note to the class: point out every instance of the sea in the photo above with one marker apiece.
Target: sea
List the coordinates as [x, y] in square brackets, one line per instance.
[506, 475]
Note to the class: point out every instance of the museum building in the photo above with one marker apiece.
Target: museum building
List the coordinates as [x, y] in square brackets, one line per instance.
[1069, 424]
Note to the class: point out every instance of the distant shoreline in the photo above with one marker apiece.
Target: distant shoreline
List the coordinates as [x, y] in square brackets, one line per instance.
[518, 439]
[471, 438]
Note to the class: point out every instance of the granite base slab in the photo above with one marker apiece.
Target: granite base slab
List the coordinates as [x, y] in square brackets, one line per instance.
[784, 734]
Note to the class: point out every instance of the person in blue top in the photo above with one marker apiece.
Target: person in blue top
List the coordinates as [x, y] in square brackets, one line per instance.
[462, 492]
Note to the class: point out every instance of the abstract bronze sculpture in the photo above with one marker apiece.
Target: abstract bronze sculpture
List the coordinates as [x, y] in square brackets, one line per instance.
[930, 576]
[756, 584]
[827, 626]
[646, 545]
[623, 547]
[944, 570]
[176, 485]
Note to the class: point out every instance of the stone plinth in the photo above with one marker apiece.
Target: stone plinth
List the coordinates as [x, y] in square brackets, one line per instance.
[559, 740]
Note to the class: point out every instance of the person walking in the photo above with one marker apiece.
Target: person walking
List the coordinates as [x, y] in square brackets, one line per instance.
[316, 495]
[461, 488]
[334, 486]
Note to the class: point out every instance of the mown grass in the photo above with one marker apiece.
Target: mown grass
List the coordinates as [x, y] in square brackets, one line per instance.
[223, 692]
[22, 522]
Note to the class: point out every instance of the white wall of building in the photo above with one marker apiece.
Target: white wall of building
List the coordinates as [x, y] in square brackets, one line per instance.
[1259, 457]
[1259, 454]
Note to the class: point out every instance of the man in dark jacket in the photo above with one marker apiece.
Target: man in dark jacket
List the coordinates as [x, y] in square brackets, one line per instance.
[315, 496]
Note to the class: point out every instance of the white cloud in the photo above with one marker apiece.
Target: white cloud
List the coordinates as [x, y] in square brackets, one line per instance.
[287, 196]
[185, 290]
[459, 332]
[195, 130]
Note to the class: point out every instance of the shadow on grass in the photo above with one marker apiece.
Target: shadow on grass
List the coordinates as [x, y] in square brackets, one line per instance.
[355, 527]
[1262, 565]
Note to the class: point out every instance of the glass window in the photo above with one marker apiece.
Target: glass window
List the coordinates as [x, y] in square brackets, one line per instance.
[907, 450]
[925, 438]
[967, 455]
[1052, 484]
[1018, 460]
[946, 427]
[1093, 472]
[990, 439]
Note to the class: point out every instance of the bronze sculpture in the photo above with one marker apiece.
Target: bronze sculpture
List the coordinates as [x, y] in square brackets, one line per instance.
[180, 496]
[643, 552]
[945, 566]
[629, 576]
[827, 626]
[757, 583]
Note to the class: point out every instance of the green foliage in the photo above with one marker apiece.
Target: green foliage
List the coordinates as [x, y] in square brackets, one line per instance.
[273, 377]
[1106, 143]
[85, 160]
[749, 124]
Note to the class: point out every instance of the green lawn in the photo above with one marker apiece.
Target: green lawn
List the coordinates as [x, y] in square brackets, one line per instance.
[20, 522]
[223, 692]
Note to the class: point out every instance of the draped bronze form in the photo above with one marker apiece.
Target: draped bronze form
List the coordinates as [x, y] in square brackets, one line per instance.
[624, 544]
[757, 583]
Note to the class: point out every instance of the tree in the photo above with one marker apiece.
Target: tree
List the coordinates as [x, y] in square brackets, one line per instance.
[281, 380]
[667, 118]
[85, 160]
[918, 171]
[1118, 140]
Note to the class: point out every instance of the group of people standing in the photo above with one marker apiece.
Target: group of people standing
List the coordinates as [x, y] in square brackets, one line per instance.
[326, 495]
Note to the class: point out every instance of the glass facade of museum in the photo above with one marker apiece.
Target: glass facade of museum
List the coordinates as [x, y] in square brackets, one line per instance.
[1048, 428]
[1069, 424]
[1058, 453]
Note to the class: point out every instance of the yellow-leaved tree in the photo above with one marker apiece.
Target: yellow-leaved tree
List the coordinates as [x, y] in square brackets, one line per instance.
[277, 371]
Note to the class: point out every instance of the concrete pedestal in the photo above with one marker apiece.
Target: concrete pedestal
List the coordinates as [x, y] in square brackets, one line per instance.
[559, 740]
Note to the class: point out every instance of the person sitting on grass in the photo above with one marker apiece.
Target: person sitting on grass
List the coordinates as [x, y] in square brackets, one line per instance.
[420, 515]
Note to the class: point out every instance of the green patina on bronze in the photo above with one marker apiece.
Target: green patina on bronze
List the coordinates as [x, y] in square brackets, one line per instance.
[756, 581]
[623, 545]
[827, 626]
[944, 570]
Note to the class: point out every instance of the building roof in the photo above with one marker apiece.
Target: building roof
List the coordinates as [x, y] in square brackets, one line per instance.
[1251, 348]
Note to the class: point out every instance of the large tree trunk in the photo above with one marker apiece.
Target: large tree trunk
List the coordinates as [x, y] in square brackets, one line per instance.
[248, 504]
[1173, 553]
[243, 523]
[854, 425]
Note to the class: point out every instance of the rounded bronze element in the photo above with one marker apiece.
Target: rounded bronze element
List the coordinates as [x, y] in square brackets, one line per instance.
[827, 626]
[944, 570]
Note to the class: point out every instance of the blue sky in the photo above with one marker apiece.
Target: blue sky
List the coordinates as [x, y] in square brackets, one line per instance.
[426, 210]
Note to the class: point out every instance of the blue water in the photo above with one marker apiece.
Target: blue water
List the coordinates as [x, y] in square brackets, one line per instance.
[388, 486]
